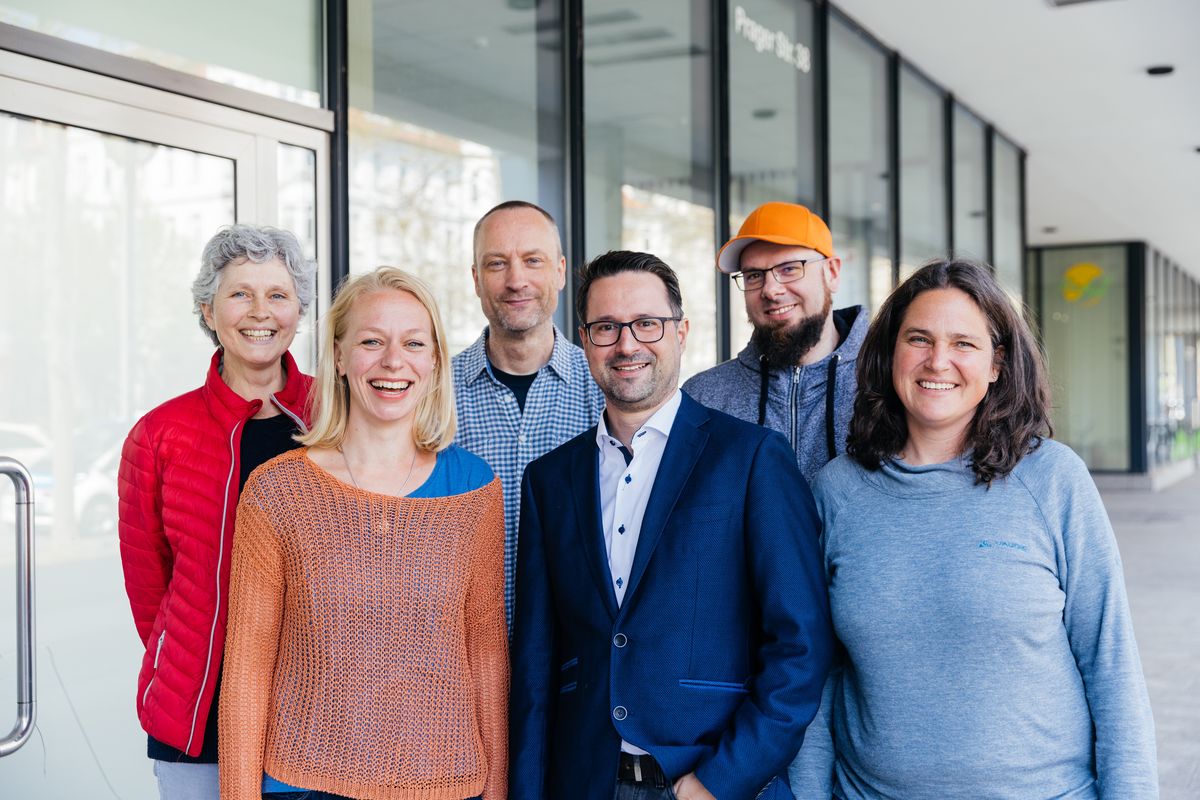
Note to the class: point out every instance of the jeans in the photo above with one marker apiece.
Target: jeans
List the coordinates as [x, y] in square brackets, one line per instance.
[186, 781]
[642, 791]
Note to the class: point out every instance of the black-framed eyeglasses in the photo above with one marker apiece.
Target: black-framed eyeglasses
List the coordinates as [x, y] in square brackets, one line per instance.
[749, 280]
[647, 330]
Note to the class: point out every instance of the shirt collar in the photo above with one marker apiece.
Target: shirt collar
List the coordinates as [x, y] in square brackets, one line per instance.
[475, 362]
[661, 421]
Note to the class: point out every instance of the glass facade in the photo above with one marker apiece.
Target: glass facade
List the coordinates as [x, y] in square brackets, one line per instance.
[859, 165]
[1086, 333]
[924, 221]
[648, 157]
[445, 121]
[970, 185]
[774, 76]
[1008, 247]
[273, 47]
[1172, 362]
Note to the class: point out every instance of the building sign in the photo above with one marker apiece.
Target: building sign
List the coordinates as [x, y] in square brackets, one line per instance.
[766, 40]
[1085, 284]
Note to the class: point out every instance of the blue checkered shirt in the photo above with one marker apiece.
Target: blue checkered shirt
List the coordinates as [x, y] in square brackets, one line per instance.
[562, 403]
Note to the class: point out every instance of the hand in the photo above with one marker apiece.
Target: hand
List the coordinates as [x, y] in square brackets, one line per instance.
[689, 787]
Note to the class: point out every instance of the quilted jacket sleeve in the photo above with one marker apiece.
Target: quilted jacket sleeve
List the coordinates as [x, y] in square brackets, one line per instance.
[146, 555]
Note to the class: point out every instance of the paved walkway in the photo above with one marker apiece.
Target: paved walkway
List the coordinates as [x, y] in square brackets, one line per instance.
[1159, 537]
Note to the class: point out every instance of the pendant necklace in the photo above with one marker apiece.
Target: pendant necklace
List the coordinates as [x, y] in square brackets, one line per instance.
[407, 475]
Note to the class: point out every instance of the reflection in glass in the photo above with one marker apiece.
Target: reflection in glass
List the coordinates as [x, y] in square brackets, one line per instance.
[923, 217]
[102, 239]
[1085, 330]
[222, 41]
[859, 183]
[970, 186]
[648, 160]
[1006, 205]
[772, 116]
[444, 124]
[296, 176]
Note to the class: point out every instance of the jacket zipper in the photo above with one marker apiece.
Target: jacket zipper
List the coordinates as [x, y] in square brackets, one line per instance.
[792, 407]
[212, 634]
[162, 636]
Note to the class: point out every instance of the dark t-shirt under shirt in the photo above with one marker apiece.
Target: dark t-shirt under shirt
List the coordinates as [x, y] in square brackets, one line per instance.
[517, 384]
[262, 440]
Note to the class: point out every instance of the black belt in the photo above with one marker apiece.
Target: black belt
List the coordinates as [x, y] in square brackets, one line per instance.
[641, 769]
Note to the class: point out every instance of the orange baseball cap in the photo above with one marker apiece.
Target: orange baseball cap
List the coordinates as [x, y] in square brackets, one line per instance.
[778, 223]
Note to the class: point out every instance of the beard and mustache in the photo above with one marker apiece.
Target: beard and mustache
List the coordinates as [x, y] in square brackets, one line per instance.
[783, 346]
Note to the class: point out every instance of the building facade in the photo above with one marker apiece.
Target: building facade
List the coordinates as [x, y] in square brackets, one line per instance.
[379, 131]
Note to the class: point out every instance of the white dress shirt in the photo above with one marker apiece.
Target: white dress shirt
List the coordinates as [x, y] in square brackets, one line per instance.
[626, 480]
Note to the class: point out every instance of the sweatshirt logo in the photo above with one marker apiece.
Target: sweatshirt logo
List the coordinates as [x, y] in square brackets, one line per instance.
[991, 543]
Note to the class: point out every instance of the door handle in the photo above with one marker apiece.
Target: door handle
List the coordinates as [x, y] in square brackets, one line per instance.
[26, 678]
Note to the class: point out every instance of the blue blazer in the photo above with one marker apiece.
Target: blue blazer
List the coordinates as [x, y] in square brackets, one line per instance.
[715, 660]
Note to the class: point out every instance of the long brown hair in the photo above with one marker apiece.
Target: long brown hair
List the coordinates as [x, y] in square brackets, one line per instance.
[1014, 416]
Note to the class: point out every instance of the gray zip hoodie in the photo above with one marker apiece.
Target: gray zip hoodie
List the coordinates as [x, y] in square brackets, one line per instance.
[796, 402]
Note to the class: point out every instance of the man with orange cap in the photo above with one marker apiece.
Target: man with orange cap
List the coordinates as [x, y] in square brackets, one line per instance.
[796, 375]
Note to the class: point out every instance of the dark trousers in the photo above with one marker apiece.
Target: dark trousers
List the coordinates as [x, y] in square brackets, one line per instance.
[311, 795]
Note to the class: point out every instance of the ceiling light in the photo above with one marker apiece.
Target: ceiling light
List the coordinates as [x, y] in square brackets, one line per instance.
[763, 113]
[1049, 229]
[1160, 69]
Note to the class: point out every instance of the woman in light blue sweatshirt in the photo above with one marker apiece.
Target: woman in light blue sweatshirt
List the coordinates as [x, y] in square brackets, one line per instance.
[974, 580]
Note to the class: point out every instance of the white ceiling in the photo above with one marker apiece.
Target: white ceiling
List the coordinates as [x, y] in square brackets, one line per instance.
[1112, 152]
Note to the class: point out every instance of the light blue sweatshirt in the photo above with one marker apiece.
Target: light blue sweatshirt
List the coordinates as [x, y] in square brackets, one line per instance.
[988, 647]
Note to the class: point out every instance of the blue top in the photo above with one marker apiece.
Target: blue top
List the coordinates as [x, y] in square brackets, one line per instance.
[456, 471]
[562, 402]
[988, 647]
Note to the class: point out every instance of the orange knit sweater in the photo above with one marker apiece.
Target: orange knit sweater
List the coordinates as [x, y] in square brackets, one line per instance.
[367, 652]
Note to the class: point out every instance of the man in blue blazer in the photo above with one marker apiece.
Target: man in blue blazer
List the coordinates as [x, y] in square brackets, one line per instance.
[671, 632]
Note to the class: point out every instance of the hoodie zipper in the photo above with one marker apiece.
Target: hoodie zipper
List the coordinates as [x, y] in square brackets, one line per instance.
[792, 420]
[162, 637]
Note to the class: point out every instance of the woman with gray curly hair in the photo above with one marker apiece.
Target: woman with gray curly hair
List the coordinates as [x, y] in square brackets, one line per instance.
[182, 470]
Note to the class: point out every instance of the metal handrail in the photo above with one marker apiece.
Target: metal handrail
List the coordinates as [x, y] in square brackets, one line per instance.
[26, 677]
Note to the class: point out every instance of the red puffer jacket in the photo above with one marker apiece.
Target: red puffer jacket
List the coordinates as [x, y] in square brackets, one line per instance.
[178, 488]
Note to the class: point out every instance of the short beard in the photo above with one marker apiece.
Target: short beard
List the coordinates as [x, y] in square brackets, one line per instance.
[784, 346]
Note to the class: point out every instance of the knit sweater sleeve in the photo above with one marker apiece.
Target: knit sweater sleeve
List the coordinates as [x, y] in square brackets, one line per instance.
[487, 643]
[256, 587]
[1098, 624]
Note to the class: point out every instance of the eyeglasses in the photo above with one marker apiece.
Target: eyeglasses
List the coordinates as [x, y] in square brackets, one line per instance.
[647, 330]
[750, 280]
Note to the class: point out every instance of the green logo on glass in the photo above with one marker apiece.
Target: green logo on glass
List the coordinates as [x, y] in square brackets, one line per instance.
[1085, 284]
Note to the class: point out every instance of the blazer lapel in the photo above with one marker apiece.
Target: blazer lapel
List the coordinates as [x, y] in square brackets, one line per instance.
[585, 486]
[684, 446]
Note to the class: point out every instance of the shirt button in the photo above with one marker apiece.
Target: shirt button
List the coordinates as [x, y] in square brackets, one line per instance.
[620, 640]
[628, 478]
[621, 529]
[620, 713]
[521, 438]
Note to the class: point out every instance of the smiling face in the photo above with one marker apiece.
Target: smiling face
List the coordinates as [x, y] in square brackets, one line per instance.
[519, 270]
[254, 312]
[634, 376]
[387, 355]
[790, 305]
[942, 364]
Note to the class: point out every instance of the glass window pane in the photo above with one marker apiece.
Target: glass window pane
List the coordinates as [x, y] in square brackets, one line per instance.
[1085, 329]
[97, 329]
[443, 125]
[1006, 205]
[273, 47]
[923, 219]
[296, 174]
[970, 188]
[772, 116]
[648, 162]
[859, 183]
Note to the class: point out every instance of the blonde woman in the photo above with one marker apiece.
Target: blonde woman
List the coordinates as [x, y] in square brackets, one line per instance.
[367, 653]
